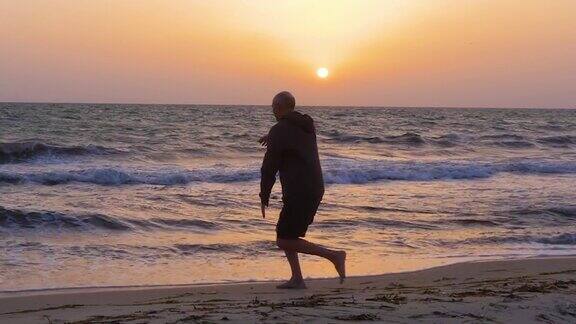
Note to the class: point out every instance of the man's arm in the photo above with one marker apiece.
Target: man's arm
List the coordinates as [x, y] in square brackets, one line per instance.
[270, 165]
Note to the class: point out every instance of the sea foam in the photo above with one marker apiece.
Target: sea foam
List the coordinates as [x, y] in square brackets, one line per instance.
[336, 171]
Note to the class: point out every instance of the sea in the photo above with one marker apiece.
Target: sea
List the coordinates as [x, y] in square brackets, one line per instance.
[106, 195]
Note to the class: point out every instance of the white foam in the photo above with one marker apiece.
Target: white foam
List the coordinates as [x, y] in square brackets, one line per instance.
[336, 171]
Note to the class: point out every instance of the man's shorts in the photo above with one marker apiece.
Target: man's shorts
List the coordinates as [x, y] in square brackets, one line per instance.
[295, 217]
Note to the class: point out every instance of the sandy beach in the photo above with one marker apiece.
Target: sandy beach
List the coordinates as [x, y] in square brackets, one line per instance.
[511, 291]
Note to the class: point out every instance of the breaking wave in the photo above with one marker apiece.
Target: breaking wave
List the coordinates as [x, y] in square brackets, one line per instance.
[404, 139]
[371, 171]
[119, 176]
[416, 140]
[559, 239]
[336, 171]
[19, 219]
[25, 151]
[135, 252]
[563, 140]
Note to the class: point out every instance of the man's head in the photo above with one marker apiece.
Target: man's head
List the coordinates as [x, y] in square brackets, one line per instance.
[283, 103]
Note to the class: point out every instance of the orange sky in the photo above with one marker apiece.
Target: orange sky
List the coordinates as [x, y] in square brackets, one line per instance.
[496, 53]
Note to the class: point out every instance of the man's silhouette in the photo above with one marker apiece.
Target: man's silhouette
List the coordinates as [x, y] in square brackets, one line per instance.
[293, 152]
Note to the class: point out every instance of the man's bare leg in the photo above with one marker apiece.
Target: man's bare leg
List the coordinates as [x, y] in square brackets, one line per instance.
[338, 258]
[296, 281]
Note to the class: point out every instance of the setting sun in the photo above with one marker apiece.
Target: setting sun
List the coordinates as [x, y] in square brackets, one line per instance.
[322, 73]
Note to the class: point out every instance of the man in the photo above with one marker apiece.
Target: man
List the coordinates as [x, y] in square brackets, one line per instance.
[293, 152]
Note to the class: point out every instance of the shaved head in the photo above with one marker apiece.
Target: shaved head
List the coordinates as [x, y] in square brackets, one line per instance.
[284, 101]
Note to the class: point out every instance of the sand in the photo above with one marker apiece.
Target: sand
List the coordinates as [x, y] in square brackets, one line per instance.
[512, 291]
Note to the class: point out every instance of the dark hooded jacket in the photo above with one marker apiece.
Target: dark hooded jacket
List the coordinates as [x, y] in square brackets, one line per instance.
[293, 152]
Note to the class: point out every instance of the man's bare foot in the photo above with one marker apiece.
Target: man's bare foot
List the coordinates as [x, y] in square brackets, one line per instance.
[340, 264]
[292, 284]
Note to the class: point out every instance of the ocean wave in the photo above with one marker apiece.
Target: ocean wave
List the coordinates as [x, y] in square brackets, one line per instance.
[562, 239]
[510, 144]
[561, 141]
[119, 176]
[504, 140]
[336, 171]
[19, 219]
[25, 151]
[366, 172]
[387, 223]
[406, 138]
[137, 252]
[566, 212]
[410, 139]
[14, 218]
[509, 137]
[558, 239]
[446, 140]
[415, 140]
[373, 209]
[206, 248]
[469, 222]
[346, 138]
[176, 250]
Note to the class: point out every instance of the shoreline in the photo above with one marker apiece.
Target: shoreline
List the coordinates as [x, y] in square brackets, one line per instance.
[88, 289]
[517, 290]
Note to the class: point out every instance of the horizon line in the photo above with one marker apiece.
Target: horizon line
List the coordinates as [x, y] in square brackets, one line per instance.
[265, 105]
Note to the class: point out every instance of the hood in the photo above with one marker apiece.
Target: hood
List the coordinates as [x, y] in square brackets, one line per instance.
[305, 122]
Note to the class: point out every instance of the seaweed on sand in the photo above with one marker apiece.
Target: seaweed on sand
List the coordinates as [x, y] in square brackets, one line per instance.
[358, 317]
[391, 298]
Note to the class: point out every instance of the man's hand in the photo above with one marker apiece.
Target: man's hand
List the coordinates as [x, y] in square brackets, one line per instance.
[263, 210]
[263, 140]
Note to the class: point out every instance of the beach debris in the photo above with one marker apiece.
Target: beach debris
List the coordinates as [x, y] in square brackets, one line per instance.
[256, 302]
[263, 314]
[358, 317]
[453, 315]
[512, 297]
[391, 298]
[430, 291]
[559, 272]
[482, 292]
[497, 306]
[545, 287]
[548, 318]
[440, 300]
[310, 301]
[566, 309]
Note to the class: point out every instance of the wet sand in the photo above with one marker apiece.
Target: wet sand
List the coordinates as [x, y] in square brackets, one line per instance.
[511, 291]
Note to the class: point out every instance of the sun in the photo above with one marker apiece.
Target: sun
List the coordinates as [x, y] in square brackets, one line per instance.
[322, 73]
